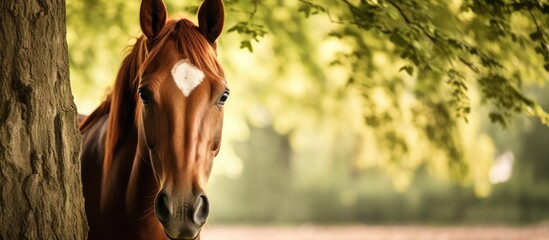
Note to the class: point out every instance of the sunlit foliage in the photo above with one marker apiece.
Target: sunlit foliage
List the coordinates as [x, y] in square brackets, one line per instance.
[451, 51]
[440, 38]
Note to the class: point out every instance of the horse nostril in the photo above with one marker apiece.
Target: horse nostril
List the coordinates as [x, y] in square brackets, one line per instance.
[163, 207]
[201, 210]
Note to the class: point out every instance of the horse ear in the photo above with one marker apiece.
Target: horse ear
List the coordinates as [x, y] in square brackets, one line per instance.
[211, 17]
[152, 17]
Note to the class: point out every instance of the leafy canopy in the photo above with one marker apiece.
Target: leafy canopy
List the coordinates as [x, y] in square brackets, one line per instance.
[451, 51]
[459, 41]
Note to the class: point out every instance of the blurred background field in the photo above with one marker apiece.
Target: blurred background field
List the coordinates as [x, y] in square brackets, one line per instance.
[326, 130]
[308, 232]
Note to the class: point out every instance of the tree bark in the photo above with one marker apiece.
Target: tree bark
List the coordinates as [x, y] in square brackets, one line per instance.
[40, 186]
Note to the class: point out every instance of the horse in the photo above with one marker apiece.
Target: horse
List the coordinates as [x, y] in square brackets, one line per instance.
[148, 148]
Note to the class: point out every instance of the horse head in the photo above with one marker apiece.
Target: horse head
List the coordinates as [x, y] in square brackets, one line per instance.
[179, 114]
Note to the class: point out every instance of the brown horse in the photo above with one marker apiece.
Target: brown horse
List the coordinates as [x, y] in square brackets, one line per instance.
[148, 148]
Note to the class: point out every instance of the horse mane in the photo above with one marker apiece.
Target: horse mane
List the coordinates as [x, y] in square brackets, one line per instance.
[121, 103]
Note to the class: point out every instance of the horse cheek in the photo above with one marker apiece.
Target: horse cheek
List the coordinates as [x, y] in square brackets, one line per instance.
[149, 124]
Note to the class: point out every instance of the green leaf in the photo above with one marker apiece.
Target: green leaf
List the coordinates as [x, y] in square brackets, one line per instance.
[497, 118]
[408, 68]
[536, 35]
[305, 9]
[246, 44]
[309, 8]
[239, 27]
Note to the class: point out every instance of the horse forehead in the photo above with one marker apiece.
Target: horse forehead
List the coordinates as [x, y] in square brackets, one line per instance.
[186, 76]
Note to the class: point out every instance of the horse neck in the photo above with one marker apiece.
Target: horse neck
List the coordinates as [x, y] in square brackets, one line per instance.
[121, 139]
[128, 184]
[141, 192]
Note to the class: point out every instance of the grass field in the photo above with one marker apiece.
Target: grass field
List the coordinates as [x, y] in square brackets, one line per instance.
[309, 232]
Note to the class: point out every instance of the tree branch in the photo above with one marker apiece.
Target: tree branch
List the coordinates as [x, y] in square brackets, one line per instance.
[351, 8]
[433, 39]
[254, 11]
[406, 19]
[540, 29]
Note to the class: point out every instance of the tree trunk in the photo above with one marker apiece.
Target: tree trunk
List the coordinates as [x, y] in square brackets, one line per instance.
[40, 186]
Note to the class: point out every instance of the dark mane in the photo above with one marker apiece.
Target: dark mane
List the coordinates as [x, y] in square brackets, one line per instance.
[121, 103]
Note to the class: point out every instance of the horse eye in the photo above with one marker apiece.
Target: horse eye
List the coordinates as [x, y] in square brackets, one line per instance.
[223, 98]
[145, 96]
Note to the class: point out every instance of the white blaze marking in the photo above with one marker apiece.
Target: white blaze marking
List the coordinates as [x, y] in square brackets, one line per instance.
[186, 76]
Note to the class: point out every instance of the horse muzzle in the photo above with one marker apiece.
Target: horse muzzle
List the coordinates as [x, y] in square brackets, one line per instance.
[182, 219]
